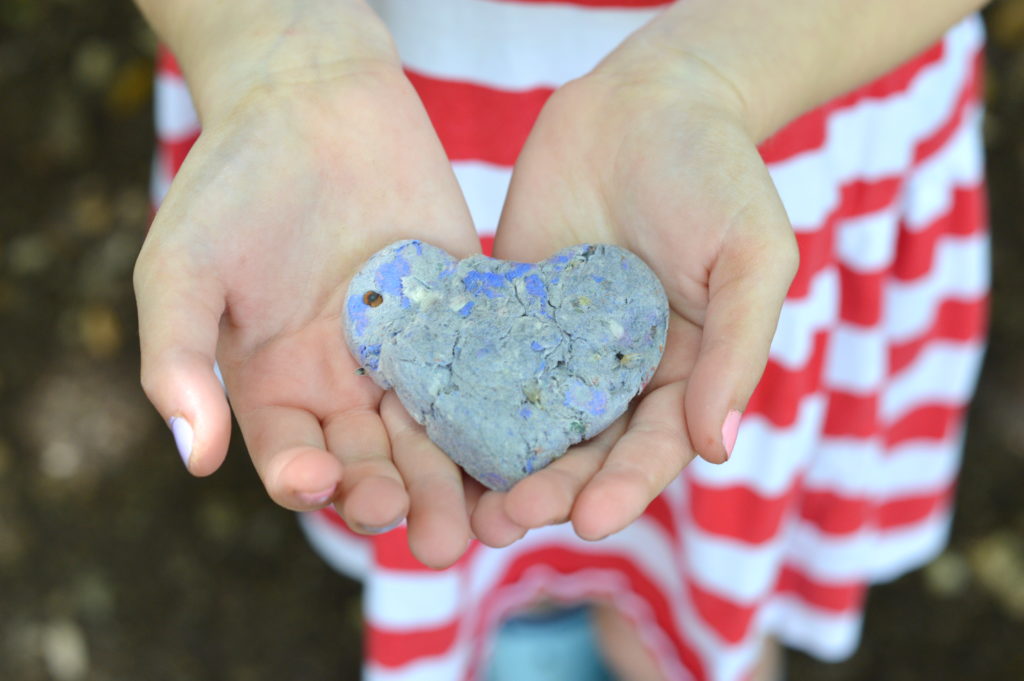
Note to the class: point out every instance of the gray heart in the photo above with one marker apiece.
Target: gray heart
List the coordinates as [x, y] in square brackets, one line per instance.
[507, 364]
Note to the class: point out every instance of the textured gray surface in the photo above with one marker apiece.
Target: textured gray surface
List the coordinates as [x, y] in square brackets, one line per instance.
[508, 364]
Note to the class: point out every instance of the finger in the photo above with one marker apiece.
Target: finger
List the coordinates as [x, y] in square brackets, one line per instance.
[651, 452]
[179, 316]
[372, 496]
[473, 491]
[491, 524]
[287, 448]
[439, 529]
[547, 496]
[747, 285]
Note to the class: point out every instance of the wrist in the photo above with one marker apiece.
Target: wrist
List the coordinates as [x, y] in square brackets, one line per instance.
[665, 74]
[229, 56]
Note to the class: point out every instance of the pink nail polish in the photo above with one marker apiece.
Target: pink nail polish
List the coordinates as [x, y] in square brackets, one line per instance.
[181, 429]
[729, 430]
[317, 498]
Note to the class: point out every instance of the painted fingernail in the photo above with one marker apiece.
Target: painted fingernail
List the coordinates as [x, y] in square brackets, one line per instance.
[381, 530]
[182, 431]
[729, 430]
[317, 498]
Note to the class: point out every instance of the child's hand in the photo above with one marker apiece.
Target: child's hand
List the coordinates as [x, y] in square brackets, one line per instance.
[660, 163]
[248, 260]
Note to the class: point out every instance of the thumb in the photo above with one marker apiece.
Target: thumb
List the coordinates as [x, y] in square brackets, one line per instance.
[179, 318]
[747, 286]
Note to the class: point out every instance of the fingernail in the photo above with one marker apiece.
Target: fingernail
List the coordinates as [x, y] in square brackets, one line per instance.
[317, 498]
[381, 530]
[182, 431]
[729, 430]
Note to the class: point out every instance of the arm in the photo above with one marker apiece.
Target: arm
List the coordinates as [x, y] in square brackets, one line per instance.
[230, 50]
[656, 150]
[781, 58]
[315, 153]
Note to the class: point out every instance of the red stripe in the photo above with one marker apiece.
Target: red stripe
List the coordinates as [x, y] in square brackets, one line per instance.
[781, 390]
[805, 133]
[661, 513]
[396, 648]
[165, 61]
[815, 255]
[955, 320]
[860, 296]
[913, 510]
[337, 523]
[478, 122]
[858, 197]
[837, 598]
[175, 151]
[851, 415]
[900, 78]
[738, 512]
[487, 244]
[833, 513]
[729, 619]
[863, 197]
[391, 551]
[567, 562]
[836, 514]
[967, 215]
[971, 92]
[808, 132]
[930, 422]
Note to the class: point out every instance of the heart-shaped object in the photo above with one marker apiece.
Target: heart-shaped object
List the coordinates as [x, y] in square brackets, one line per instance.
[507, 364]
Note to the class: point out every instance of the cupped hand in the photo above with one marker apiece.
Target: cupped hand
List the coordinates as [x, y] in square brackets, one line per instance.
[660, 163]
[247, 263]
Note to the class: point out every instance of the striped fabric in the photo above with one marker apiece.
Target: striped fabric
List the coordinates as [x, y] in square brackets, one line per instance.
[845, 465]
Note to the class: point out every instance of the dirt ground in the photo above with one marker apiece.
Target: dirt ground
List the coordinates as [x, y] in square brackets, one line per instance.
[115, 565]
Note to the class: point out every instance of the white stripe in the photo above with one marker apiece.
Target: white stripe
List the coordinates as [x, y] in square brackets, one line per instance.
[484, 186]
[512, 46]
[829, 636]
[174, 113]
[943, 373]
[853, 467]
[899, 551]
[394, 599]
[867, 553]
[960, 271]
[740, 572]
[802, 318]
[960, 163]
[348, 555]
[857, 359]
[868, 243]
[809, 183]
[766, 459]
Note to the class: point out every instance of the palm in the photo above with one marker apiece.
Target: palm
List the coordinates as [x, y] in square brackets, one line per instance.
[689, 194]
[252, 251]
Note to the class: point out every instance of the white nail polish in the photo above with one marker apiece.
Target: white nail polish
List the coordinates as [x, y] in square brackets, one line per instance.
[182, 431]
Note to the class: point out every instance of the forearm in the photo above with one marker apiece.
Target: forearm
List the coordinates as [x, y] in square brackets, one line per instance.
[229, 49]
[784, 57]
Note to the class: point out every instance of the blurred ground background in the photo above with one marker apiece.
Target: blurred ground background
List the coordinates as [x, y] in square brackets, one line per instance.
[114, 565]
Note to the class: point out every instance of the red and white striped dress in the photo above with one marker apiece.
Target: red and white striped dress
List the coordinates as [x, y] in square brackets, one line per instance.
[845, 465]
